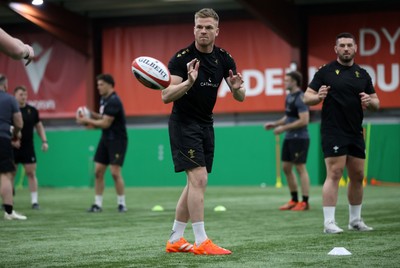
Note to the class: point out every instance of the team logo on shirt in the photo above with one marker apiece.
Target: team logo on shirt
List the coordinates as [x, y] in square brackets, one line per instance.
[191, 153]
[357, 74]
[337, 72]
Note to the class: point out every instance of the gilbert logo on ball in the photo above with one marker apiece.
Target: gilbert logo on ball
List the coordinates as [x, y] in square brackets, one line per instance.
[151, 72]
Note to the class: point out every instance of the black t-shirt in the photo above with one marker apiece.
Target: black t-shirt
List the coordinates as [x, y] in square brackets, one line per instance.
[30, 115]
[198, 104]
[342, 113]
[112, 106]
[294, 105]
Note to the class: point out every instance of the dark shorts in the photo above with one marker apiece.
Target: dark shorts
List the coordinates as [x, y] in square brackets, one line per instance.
[6, 156]
[25, 155]
[333, 145]
[192, 145]
[295, 150]
[111, 152]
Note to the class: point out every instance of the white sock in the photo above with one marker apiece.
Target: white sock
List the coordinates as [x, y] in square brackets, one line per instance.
[354, 212]
[98, 200]
[329, 214]
[121, 200]
[199, 232]
[34, 197]
[177, 231]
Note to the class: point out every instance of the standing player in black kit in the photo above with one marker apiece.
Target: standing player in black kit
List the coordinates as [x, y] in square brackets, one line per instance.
[197, 72]
[345, 89]
[24, 151]
[113, 143]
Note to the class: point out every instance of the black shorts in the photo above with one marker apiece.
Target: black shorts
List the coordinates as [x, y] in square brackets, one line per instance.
[333, 145]
[25, 155]
[6, 156]
[192, 145]
[295, 150]
[111, 152]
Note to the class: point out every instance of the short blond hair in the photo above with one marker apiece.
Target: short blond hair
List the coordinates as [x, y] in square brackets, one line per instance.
[207, 13]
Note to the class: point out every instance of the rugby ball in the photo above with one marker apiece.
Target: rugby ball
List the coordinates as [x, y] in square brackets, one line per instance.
[82, 111]
[151, 72]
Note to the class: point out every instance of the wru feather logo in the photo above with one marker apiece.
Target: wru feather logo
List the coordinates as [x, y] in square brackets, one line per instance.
[36, 69]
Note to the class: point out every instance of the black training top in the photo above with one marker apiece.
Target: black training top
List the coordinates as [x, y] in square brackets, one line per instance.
[198, 103]
[30, 115]
[342, 113]
[112, 106]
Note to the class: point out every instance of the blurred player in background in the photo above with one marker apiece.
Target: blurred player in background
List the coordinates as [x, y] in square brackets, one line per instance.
[345, 89]
[296, 143]
[113, 143]
[197, 72]
[10, 115]
[24, 151]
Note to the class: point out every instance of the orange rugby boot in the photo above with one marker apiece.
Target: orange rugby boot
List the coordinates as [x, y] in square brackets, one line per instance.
[289, 205]
[179, 246]
[301, 206]
[209, 248]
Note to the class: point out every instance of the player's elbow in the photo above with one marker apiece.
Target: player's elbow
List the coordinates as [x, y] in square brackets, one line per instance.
[165, 98]
[306, 99]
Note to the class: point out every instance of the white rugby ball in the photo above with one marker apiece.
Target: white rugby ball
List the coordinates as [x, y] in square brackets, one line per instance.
[82, 111]
[151, 72]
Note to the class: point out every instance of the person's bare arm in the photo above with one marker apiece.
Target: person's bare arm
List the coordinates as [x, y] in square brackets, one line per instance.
[15, 48]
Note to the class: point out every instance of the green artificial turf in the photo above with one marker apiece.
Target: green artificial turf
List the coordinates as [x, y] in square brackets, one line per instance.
[63, 234]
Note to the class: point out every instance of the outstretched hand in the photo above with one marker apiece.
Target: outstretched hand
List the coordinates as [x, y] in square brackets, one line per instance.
[235, 81]
[193, 70]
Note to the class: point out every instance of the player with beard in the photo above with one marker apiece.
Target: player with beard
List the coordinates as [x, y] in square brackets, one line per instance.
[345, 90]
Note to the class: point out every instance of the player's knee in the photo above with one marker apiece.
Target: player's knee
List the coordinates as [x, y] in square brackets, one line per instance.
[357, 175]
[99, 174]
[335, 173]
[199, 181]
[31, 175]
[116, 176]
[287, 168]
